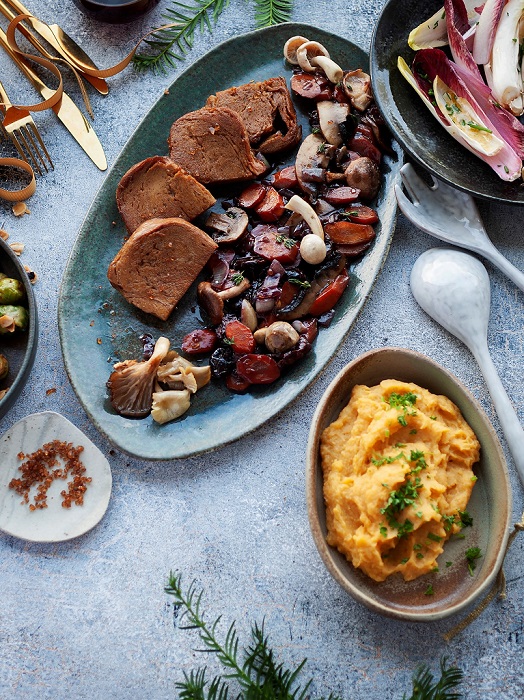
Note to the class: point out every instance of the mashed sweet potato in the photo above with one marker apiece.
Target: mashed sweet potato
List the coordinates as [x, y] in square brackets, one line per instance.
[398, 474]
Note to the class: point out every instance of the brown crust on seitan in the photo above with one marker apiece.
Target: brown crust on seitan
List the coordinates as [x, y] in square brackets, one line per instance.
[267, 112]
[158, 188]
[158, 263]
[213, 146]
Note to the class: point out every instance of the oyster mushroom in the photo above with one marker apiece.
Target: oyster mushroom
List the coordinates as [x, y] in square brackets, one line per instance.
[176, 371]
[357, 86]
[291, 46]
[331, 115]
[213, 302]
[168, 405]
[228, 227]
[131, 383]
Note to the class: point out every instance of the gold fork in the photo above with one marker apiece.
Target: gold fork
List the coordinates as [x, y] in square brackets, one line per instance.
[21, 129]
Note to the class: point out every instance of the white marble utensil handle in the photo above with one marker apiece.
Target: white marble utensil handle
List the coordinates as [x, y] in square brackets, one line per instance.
[508, 418]
[514, 274]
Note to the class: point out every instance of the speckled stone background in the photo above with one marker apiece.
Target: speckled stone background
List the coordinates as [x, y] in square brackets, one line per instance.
[89, 618]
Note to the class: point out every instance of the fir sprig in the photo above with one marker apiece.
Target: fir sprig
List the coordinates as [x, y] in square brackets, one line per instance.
[172, 41]
[254, 668]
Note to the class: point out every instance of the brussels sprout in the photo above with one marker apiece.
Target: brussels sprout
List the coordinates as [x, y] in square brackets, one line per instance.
[4, 367]
[11, 291]
[19, 314]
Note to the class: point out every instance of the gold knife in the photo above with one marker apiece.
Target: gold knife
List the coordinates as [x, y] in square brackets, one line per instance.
[66, 110]
[62, 43]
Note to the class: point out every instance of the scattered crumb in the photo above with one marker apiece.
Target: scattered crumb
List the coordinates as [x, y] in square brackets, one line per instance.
[166, 92]
[33, 277]
[17, 248]
[20, 208]
[3, 234]
[50, 391]
[3, 393]
[92, 323]
[99, 341]
[113, 223]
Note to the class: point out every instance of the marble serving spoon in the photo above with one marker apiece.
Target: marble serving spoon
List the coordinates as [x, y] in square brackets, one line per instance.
[453, 288]
[452, 216]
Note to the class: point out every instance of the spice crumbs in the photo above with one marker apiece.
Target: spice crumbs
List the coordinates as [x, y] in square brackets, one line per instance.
[43, 467]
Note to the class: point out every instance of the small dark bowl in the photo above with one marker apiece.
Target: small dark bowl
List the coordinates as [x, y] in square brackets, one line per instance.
[19, 348]
[489, 505]
[413, 126]
[116, 11]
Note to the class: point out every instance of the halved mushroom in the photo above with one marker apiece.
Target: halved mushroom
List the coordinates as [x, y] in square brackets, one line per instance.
[168, 405]
[331, 115]
[131, 383]
[248, 315]
[291, 46]
[229, 226]
[311, 154]
[213, 302]
[357, 86]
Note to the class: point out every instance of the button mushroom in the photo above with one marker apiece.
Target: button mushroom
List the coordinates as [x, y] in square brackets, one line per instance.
[280, 337]
[228, 227]
[331, 115]
[312, 246]
[357, 86]
[364, 175]
[213, 302]
[168, 405]
[131, 383]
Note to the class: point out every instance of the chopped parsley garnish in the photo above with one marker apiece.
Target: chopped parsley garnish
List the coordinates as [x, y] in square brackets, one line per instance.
[288, 242]
[403, 402]
[465, 518]
[398, 500]
[383, 531]
[433, 537]
[417, 547]
[322, 148]
[387, 460]
[449, 521]
[420, 555]
[417, 456]
[405, 560]
[237, 278]
[429, 590]
[300, 283]
[472, 554]
[448, 564]
[479, 127]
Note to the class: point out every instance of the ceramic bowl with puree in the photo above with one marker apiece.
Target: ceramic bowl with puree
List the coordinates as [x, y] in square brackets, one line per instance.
[473, 550]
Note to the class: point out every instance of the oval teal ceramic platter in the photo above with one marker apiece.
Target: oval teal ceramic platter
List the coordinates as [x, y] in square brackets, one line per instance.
[98, 327]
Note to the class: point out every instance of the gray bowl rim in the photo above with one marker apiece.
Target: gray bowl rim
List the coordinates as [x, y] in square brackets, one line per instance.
[32, 334]
[326, 551]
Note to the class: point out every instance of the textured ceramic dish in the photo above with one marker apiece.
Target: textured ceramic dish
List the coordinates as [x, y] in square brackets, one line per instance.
[90, 309]
[490, 504]
[54, 523]
[415, 128]
[19, 348]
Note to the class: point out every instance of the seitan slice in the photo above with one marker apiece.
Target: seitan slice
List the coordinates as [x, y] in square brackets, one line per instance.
[267, 112]
[213, 146]
[158, 188]
[158, 263]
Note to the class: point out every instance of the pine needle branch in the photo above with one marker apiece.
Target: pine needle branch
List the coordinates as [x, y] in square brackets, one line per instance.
[270, 12]
[424, 687]
[171, 42]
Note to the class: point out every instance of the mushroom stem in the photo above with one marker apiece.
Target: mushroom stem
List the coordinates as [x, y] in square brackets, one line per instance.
[306, 211]
[333, 71]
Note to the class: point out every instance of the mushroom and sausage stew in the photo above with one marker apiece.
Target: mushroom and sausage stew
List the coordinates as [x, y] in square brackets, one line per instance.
[275, 256]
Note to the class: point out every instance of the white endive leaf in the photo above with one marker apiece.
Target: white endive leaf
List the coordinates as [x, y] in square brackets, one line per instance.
[463, 118]
[505, 74]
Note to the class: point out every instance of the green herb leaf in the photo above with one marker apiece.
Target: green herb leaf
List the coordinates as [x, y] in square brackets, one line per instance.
[472, 554]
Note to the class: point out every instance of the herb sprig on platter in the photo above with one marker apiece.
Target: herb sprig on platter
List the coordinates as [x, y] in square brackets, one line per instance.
[254, 669]
[171, 42]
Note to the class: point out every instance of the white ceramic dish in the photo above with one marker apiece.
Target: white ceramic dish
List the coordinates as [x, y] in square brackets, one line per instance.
[54, 523]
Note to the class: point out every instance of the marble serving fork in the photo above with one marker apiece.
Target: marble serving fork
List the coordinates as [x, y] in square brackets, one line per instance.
[451, 216]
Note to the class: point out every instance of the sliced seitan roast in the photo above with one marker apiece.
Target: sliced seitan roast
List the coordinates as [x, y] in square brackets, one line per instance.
[267, 112]
[158, 263]
[212, 145]
[158, 188]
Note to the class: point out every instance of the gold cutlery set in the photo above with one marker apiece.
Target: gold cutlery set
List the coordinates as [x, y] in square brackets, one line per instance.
[18, 124]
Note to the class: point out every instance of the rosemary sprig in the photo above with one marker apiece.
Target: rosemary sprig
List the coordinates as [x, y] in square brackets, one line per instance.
[257, 674]
[171, 42]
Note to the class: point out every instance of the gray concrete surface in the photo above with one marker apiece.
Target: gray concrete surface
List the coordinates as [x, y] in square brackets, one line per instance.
[89, 618]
